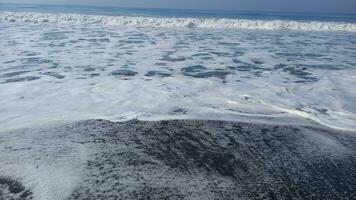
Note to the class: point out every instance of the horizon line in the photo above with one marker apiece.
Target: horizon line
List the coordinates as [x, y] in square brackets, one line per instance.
[165, 8]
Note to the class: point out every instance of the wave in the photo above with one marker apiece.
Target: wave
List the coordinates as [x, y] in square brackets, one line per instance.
[176, 22]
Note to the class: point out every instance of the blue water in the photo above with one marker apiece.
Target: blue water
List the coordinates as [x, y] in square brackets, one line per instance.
[117, 11]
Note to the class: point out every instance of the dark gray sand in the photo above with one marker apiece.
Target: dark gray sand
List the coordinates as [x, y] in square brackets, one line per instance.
[183, 159]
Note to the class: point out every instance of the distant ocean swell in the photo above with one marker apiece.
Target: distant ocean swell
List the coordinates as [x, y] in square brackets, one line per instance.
[177, 22]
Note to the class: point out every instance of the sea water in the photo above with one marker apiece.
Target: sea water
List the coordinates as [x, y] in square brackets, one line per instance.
[65, 63]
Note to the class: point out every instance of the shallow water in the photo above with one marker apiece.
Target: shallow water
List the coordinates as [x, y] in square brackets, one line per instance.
[59, 67]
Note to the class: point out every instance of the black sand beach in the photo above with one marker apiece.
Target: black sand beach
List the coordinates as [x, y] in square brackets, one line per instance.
[179, 159]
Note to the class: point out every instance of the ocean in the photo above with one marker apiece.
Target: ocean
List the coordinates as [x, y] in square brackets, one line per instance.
[67, 63]
[121, 103]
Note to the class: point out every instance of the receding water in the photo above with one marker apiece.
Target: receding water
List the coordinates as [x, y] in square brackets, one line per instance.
[69, 67]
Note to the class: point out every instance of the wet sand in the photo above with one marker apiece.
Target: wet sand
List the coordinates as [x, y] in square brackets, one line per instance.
[178, 159]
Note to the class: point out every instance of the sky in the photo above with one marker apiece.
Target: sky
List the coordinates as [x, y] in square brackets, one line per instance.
[319, 6]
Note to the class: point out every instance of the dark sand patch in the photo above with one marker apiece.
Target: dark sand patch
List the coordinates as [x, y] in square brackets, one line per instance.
[11, 189]
[189, 159]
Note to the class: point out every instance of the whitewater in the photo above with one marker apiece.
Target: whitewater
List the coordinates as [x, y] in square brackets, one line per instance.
[58, 67]
[176, 22]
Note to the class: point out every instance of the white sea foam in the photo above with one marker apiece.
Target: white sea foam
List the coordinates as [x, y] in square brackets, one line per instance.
[176, 22]
[64, 72]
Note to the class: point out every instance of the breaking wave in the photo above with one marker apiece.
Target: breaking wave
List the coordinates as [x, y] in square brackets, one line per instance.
[176, 22]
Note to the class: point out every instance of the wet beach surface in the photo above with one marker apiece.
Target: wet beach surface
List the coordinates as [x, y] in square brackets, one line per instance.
[178, 159]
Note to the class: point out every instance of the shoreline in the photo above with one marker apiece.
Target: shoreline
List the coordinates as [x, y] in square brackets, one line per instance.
[282, 120]
[178, 159]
